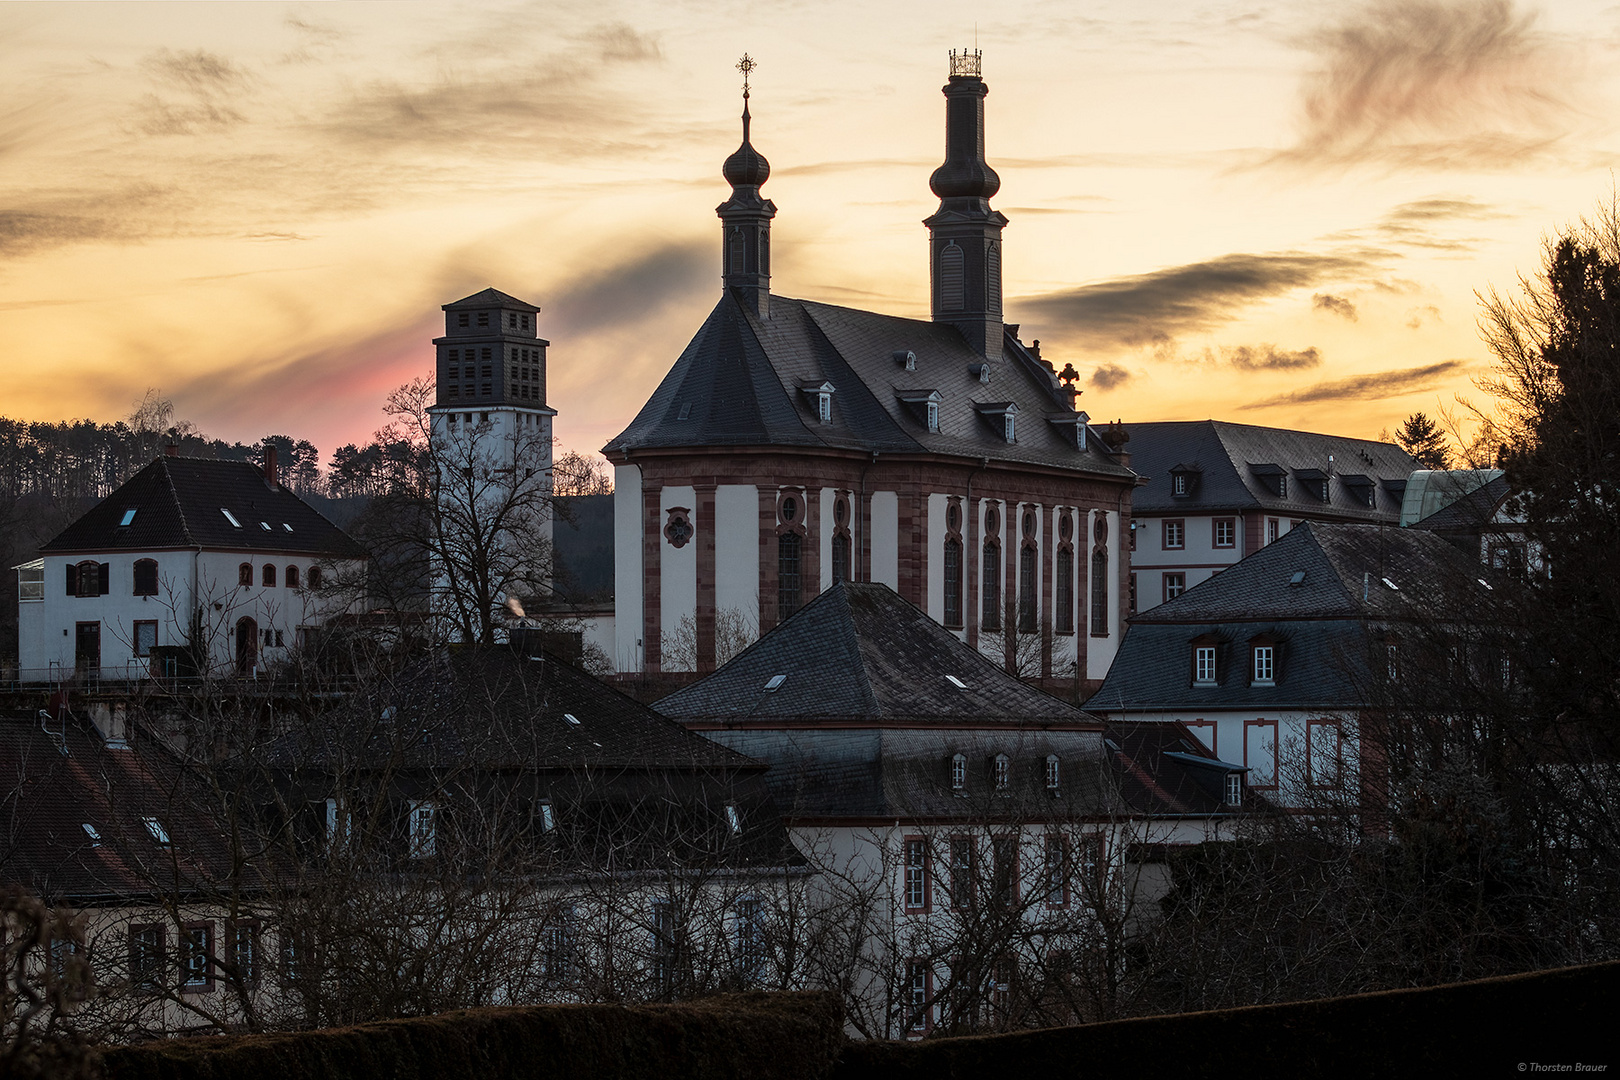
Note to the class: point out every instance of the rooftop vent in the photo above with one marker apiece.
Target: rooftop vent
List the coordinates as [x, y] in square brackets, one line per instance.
[775, 683]
[906, 359]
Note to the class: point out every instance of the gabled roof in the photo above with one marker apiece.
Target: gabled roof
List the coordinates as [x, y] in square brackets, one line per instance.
[1349, 571]
[739, 380]
[179, 502]
[1226, 456]
[55, 782]
[860, 654]
[1474, 512]
[1320, 595]
[491, 298]
[1163, 769]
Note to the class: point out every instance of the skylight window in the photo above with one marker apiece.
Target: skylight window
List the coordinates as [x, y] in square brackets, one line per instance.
[571, 718]
[1392, 585]
[775, 683]
[265, 525]
[156, 830]
[286, 526]
[954, 681]
[548, 818]
[1485, 583]
[94, 835]
[127, 520]
[734, 817]
[230, 517]
[1298, 578]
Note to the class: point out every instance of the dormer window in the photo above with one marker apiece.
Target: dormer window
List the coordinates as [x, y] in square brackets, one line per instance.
[1004, 414]
[1273, 477]
[1052, 772]
[933, 416]
[958, 772]
[1001, 771]
[1318, 484]
[980, 372]
[923, 404]
[906, 359]
[1010, 426]
[1204, 665]
[821, 394]
[1262, 671]
[1183, 480]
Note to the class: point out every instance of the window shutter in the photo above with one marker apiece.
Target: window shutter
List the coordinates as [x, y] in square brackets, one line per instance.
[72, 580]
[104, 578]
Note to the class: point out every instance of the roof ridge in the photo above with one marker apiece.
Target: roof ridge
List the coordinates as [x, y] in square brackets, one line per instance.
[179, 507]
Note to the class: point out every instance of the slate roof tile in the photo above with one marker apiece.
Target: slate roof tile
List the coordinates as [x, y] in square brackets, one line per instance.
[178, 503]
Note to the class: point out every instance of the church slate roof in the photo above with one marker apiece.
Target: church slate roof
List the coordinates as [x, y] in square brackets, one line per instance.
[178, 503]
[1223, 453]
[741, 381]
[1321, 625]
[860, 653]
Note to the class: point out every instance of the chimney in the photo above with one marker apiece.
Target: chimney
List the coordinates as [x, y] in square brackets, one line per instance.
[171, 450]
[270, 465]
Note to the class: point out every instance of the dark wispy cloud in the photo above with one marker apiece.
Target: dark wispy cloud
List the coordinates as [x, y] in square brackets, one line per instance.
[1373, 387]
[1434, 83]
[1335, 305]
[636, 290]
[621, 41]
[195, 91]
[1264, 357]
[1109, 376]
[131, 213]
[1160, 306]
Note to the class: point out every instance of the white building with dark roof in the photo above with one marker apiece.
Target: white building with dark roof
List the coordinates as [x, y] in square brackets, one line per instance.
[1217, 492]
[795, 444]
[188, 561]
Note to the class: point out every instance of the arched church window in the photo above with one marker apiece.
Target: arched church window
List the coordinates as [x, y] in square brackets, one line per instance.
[953, 582]
[268, 577]
[990, 619]
[951, 278]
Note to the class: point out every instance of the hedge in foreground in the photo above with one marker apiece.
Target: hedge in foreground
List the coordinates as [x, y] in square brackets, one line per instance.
[1493, 1027]
[734, 1037]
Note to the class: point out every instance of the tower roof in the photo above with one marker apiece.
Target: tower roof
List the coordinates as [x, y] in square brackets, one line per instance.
[491, 297]
[746, 167]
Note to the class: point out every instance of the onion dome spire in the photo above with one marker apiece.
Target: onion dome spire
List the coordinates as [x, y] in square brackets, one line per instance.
[746, 216]
[747, 167]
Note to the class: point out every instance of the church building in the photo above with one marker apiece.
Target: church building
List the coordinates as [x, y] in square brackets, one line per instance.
[795, 444]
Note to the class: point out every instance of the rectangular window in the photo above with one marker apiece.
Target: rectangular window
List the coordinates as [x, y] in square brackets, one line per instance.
[1234, 789]
[663, 944]
[1273, 527]
[919, 988]
[424, 838]
[245, 952]
[1099, 592]
[1174, 536]
[146, 957]
[1174, 585]
[787, 575]
[557, 946]
[1133, 590]
[990, 617]
[1065, 592]
[1057, 871]
[749, 923]
[1264, 665]
[953, 583]
[1204, 665]
[1004, 870]
[1323, 750]
[962, 861]
[1178, 484]
[196, 957]
[1088, 868]
[916, 873]
[1260, 752]
[1225, 532]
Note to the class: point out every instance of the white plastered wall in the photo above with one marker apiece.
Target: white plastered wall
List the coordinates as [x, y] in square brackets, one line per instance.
[886, 538]
[627, 570]
[935, 539]
[736, 551]
[1100, 651]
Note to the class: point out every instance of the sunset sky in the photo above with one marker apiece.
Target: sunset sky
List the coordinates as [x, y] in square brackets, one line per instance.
[1274, 214]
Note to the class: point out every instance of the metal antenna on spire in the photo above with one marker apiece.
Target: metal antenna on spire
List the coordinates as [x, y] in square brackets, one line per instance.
[746, 65]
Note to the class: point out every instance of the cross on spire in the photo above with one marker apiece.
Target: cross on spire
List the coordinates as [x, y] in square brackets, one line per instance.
[746, 65]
